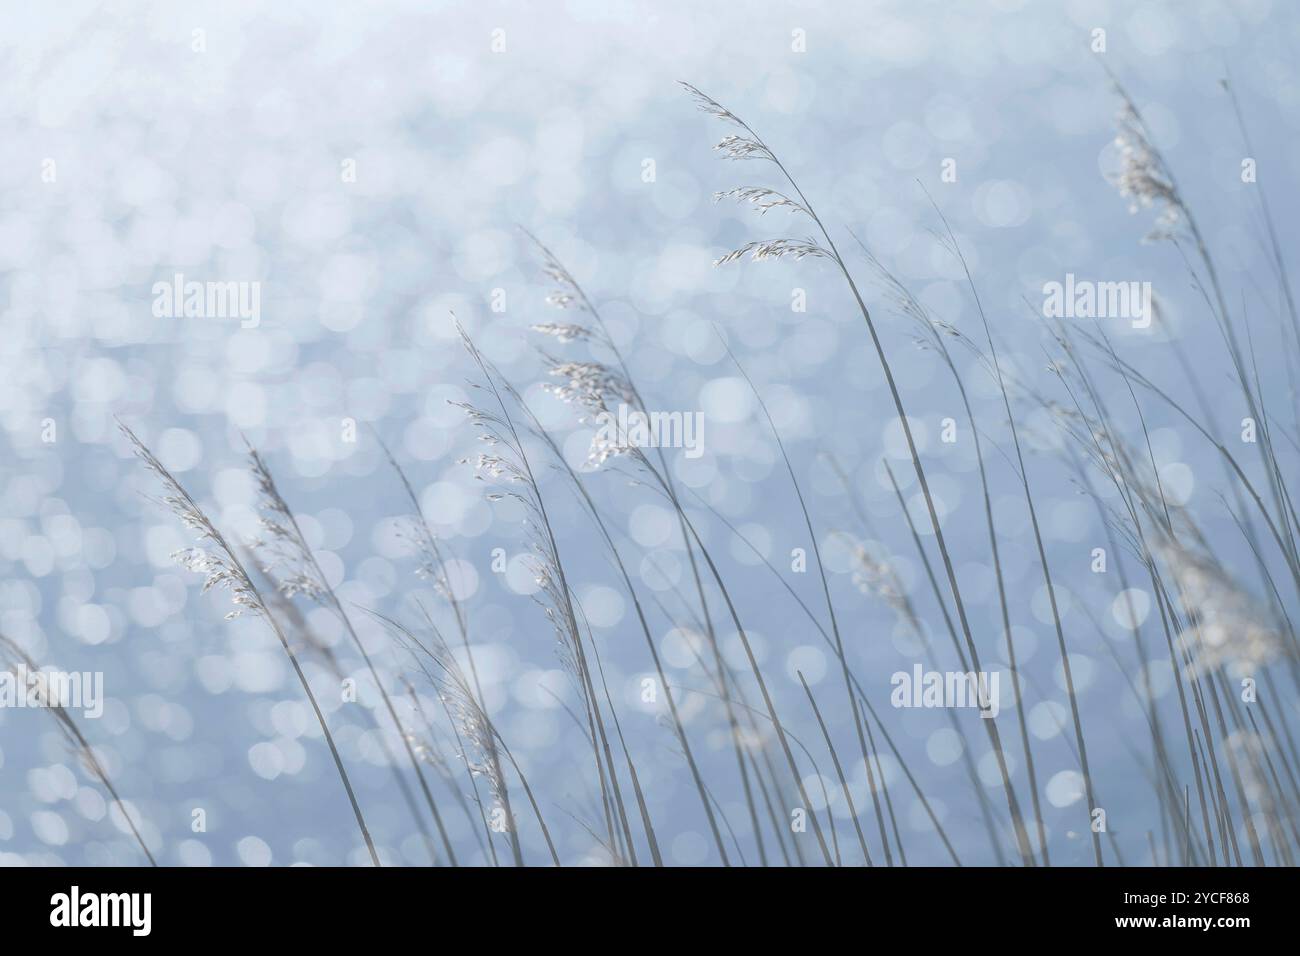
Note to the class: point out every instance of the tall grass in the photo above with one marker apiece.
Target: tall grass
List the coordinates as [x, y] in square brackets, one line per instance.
[17, 660]
[221, 567]
[1221, 768]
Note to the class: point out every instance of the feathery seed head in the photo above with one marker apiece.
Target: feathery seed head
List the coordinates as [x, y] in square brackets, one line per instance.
[759, 250]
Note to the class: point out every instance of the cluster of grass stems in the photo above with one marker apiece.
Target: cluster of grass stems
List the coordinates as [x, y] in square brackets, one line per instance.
[1222, 773]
